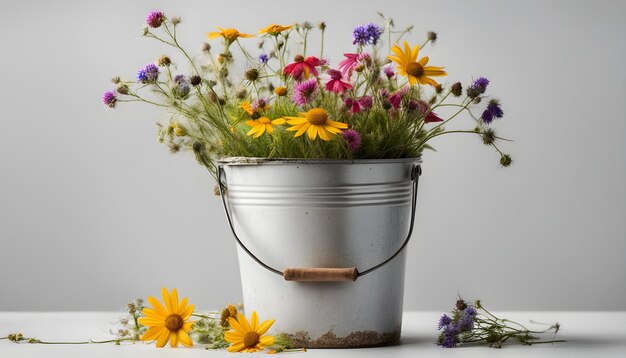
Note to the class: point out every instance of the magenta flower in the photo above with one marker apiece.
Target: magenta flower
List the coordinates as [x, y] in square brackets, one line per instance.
[353, 138]
[336, 83]
[302, 67]
[351, 62]
[366, 102]
[352, 105]
[389, 71]
[109, 99]
[429, 115]
[305, 92]
[155, 18]
[395, 100]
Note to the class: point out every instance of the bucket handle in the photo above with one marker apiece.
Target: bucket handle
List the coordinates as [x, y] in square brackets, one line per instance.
[311, 274]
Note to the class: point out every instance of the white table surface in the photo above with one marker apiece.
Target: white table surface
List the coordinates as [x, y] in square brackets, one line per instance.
[589, 334]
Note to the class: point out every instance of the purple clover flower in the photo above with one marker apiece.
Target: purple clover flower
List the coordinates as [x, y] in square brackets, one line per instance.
[353, 138]
[366, 34]
[466, 323]
[155, 18]
[109, 99]
[305, 92]
[148, 74]
[264, 58]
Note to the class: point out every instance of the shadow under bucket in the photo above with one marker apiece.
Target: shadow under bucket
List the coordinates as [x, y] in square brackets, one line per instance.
[321, 244]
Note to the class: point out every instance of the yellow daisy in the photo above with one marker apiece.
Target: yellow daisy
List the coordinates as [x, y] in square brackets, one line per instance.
[246, 106]
[229, 35]
[415, 70]
[248, 336]
[262, 124]
[274, 29]
[167, 322]
[315, 122]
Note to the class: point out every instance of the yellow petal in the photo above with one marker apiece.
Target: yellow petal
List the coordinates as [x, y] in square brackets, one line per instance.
[152, 322]
[266, 340]
[254, 321]
[302, 129]
[429, 81]
[187, 326]
[412, 80]
[312, 132]
[167, 300]
[396, 49]
[213, 35]
[164, 336]
[187, 312]
[152, 333]
[184, 338]
[236, 347]
[337, 124]
[332, 129]
[423, 61]
[260, 131]
[434, 71]
[296, 120]
[415, 52]
[269, 128]
[251, 123]
[160, 309]
[296, 127]
[407, 52]
[174, 339]
[278, 121]
[265, 326]
[233, 337]
[323, 133]
[174, 301]
[243, 321]
[236, 325]
[399, 60]
[182, 306]
[150, 313]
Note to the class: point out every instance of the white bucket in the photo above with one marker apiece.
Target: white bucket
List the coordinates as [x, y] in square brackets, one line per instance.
[338, 214]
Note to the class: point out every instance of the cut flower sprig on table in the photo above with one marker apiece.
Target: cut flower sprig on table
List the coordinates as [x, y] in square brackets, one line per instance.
[171, 321]
[386, 98]
[472, 323]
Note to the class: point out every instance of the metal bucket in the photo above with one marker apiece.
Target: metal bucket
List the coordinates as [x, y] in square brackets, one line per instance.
[321, 244]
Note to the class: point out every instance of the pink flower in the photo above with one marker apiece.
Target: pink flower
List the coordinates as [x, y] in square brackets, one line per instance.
[351, 61]
[395, 100]
[305, 92]
[366, 102]
[353, 138]
[302, 67]
[352, 105]
[429, 116]
[389, 71]
[336, 83]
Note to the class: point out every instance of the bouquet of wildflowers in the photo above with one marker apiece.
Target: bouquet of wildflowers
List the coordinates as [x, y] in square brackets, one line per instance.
[382, 100]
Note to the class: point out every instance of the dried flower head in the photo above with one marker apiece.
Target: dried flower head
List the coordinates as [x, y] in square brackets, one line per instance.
[195, 80]
[432, 36]
[280, 91]
[252, 74]
[163, 61]
[505, 160]
[229, 312]
[457, 89]
[176, 20]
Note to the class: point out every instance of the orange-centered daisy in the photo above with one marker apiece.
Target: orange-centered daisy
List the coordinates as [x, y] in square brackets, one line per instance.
[248, 336]
[229, 35]
[262, 124]
[274, 29]
[167, 322]
[416, 71]
[315, 122]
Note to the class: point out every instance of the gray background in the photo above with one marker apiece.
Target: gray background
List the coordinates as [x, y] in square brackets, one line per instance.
[93, 211]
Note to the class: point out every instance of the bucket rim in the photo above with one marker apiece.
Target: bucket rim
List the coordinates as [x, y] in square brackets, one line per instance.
[325, 161]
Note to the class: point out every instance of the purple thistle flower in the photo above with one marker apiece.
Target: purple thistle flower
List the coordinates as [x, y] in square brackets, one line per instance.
[264, 58]
[449, 337]
[492, 111]
[149, 73]
[258, 104]
[109, 99]
[478, 87]
[466, 323]
[353, 138]
[389, 71]
[366, 34]
[179, 79]
[444, 321]
[305, 92]
[155, 18]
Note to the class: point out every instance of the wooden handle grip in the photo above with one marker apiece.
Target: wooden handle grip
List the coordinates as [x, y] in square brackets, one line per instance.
[311, 274]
